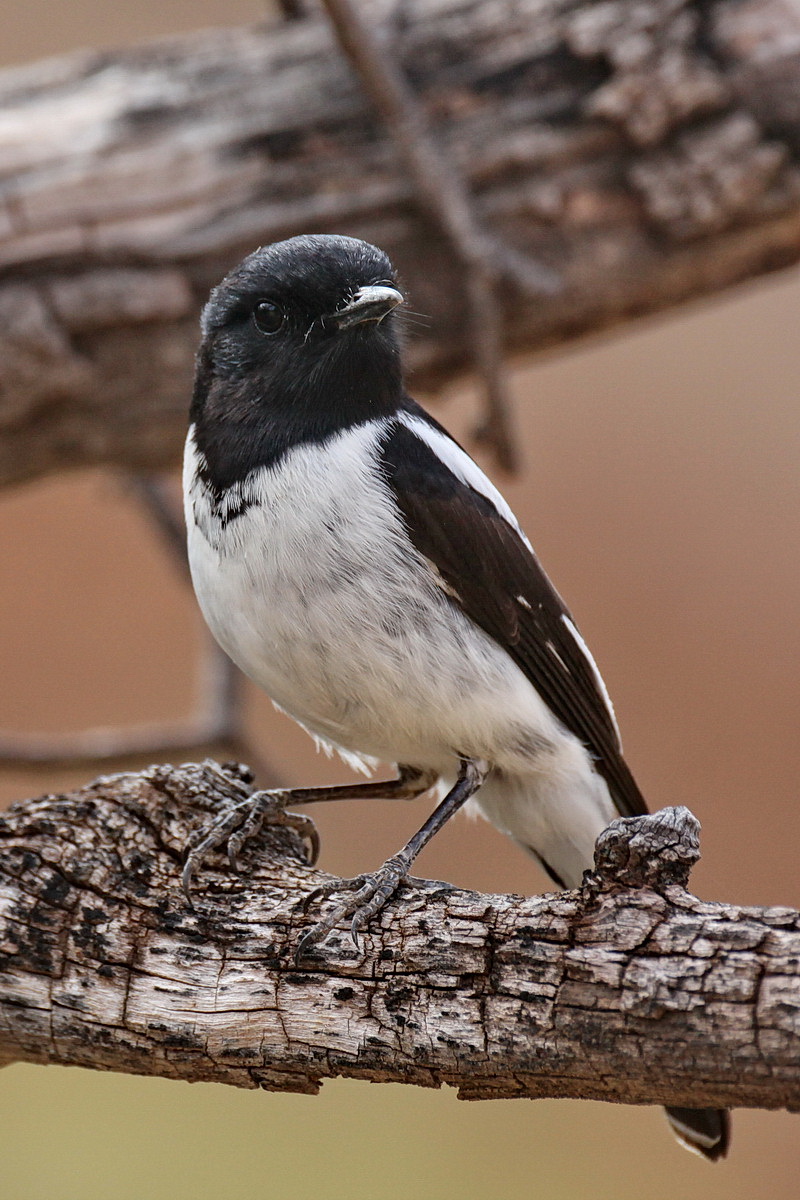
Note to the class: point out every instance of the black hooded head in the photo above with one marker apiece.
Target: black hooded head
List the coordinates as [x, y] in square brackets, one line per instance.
[299, 342]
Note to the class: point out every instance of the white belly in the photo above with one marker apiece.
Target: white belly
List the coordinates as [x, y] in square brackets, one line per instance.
[316, 593]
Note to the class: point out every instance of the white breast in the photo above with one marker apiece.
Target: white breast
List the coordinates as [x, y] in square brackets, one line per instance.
[316, 592]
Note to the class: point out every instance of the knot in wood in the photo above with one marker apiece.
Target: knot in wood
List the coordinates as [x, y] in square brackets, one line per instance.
[712, 177]
[654, 851]
[661, 76]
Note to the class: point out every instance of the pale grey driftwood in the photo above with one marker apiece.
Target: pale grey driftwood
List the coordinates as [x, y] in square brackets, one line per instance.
[630, 990]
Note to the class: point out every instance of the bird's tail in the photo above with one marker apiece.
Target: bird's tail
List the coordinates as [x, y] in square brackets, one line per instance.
[558, 826]
[707, 1131]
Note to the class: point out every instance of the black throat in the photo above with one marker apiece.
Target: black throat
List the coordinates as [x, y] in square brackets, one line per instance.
[250, 417]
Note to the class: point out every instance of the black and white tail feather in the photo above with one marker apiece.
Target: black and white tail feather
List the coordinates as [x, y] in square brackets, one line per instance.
[353, 559]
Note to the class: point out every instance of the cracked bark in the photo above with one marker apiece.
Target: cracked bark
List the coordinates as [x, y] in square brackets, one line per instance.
[644, 150]
[630, 990]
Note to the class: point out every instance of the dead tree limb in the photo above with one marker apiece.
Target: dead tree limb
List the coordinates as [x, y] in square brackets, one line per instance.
[630, 990]
[646, 151]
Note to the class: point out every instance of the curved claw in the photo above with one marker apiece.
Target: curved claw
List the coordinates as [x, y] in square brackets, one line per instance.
[370, 893]
[325, 890]
[240, 822]
[308, 830]
[186, 881]
[250, 826]
[305, 943]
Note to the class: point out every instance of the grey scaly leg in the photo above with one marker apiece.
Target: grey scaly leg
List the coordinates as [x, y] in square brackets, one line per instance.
[372, 891]
[243, 819]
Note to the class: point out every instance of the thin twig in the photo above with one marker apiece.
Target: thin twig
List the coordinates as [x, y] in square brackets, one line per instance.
[442, 190]
[216, 722]
[154, 493]
[292, 10]
[496, 430]
[218, 719]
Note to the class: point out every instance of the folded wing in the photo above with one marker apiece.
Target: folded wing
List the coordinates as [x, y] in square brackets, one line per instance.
[459, 522]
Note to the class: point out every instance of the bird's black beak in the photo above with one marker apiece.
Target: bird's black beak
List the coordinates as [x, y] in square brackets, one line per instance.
[369, 304]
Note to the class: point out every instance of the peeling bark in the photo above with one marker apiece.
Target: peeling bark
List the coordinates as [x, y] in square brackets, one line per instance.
[630, 989]
[644, 150]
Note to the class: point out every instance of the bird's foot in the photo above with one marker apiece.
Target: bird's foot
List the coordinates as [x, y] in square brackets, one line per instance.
[370, 893]
[241, 821]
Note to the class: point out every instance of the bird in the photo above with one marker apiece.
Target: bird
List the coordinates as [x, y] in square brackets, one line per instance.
[357, 564]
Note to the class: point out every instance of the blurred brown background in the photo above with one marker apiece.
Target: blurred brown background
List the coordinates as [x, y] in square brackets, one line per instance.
[663, 494]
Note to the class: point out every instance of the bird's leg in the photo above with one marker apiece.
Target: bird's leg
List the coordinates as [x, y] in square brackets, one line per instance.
[371, 892]
[242, 820]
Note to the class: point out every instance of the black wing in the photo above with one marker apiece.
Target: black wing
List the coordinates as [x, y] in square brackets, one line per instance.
[496, 578]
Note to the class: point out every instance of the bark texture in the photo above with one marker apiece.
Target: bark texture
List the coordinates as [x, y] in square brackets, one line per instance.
[630, 990]
[644, 150]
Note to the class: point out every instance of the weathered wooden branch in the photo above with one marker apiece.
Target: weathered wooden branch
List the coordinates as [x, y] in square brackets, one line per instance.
[629, 990]
[645, 150]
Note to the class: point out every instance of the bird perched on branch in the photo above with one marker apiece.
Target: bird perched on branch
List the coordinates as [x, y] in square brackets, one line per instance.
[357, 564]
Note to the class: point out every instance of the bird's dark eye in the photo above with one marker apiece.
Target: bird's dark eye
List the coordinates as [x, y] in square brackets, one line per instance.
[267, 317]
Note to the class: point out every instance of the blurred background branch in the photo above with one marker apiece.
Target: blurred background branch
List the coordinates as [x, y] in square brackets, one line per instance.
[642, 153]
[218, 719]
[440, 189]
